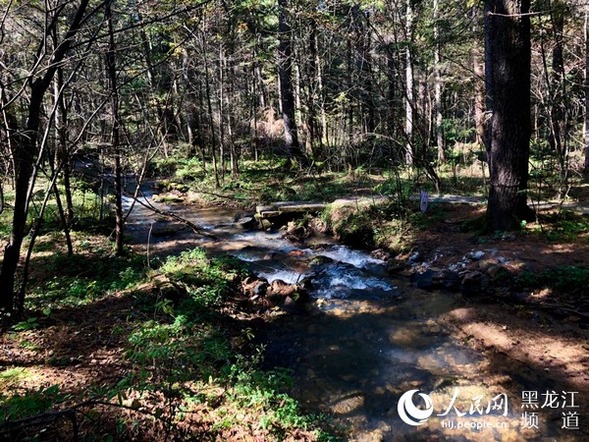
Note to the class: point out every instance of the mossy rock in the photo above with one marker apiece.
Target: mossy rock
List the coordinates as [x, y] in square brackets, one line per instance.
[356, 230]
[320, 260]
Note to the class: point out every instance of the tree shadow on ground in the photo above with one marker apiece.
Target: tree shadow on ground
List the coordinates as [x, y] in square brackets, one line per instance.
[356, 365]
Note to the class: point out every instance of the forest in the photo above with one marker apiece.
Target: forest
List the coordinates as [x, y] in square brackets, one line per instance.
[259, 220]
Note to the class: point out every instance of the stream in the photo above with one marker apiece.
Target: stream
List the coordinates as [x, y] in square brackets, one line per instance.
[367, 339]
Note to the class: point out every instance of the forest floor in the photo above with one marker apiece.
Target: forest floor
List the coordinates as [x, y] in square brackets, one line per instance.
[538, 327]
[536, 324]
[533, 322]
[129, 360]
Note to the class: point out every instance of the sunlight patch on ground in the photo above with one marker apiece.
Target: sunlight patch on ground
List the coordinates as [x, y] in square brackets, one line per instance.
[542, 348]
[544, 293]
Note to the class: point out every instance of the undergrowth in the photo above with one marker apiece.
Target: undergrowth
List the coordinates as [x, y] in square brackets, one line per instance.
[564, 226]
[83, 279]
[191, 372]
[570, 279]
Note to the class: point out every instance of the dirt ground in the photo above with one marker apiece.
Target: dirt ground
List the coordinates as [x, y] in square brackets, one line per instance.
[542, 334]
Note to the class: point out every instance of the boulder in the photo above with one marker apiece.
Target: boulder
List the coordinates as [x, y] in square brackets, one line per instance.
[320, 260]
[278, 286]
[395, 265]
[293, 307]
[476, 256]
[381, 254]
[447, 279]
[265, 224]
[424, 280]
[279, 292]
[414, 258]
[473, 282]
[246, 222]
[254, 288]
[499, 272]
[168, 289]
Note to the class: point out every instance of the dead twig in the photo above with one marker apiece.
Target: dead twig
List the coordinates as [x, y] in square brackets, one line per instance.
[16, 428]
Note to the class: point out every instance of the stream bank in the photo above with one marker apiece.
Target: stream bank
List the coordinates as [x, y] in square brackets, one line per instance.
[368, 336]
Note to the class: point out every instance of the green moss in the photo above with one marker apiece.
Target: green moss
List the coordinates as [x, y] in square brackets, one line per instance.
[354, 228]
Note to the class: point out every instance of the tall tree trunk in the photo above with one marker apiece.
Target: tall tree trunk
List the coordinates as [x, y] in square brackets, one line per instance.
[409, 95]
[323, 136]
[364, 43]
[298, 96]
[211, 116]
[586, 87]
[558, 98]
[313, 96]
[221, 106]
[392, 87]
[158, 82]
[479, 97]
[25, 150]
[508, 55]
[233, 152]
[438, 88]
[115, 130]
[478, 68]
[285, 61]
[261, 87]
[61, 159]
[351, 83]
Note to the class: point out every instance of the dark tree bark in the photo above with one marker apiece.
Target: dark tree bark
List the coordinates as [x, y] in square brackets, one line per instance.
[25, 152]
[508, 55]
[111, 67]
[363, 60]
[558, 106]
[438, 87]
[559, 100]
[61, 158]
[586, 90]
[393, 104]
[313, 130]
[285, 60]
[211, 115]
[479, 83]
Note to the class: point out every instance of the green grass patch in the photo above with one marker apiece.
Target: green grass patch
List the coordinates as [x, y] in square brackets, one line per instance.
[184, 355]
[564, 226]
[186, 351]
[569, 279]
[83, 279]
[12, 376]
[31, 323]
[178, 351]
[435, 214]
[205, 281]
[92, 214]
[6, 215]
[266, 181]
[30, 403]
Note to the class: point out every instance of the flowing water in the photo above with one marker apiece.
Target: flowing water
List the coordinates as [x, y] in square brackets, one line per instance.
[368, 338]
